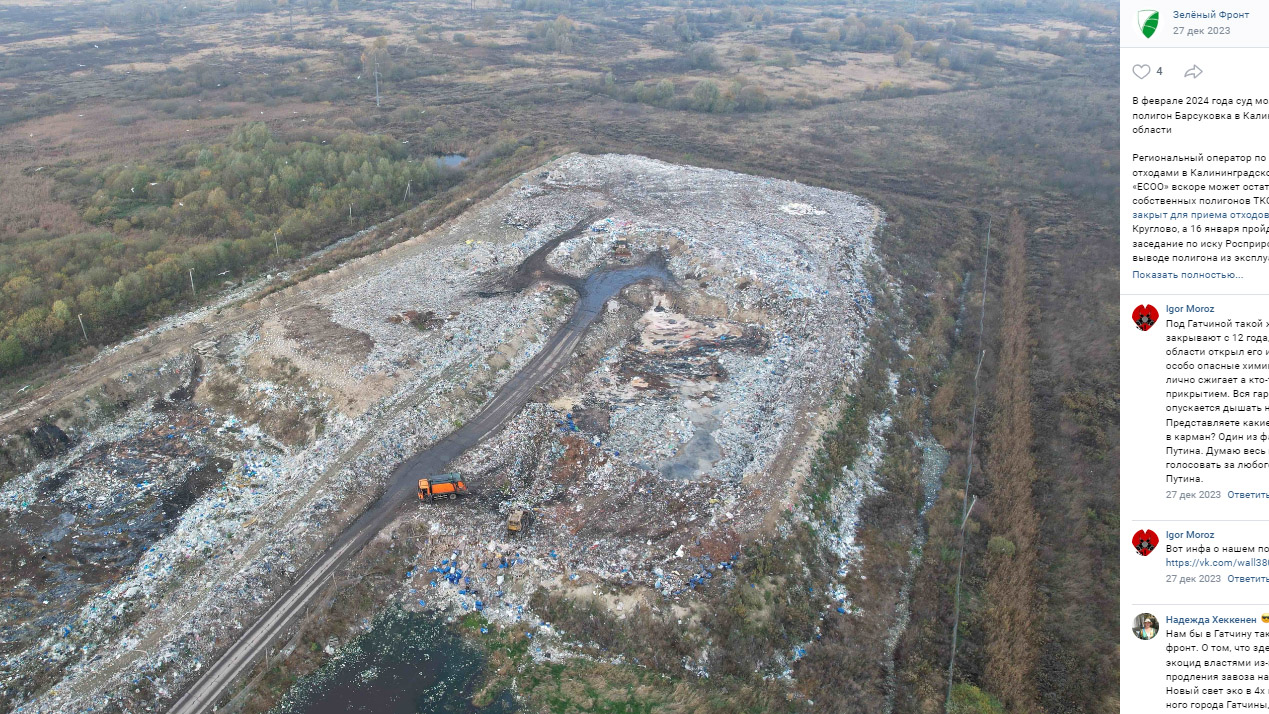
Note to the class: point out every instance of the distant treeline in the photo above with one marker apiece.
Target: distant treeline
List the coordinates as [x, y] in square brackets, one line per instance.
[142, 12]
[221, 210]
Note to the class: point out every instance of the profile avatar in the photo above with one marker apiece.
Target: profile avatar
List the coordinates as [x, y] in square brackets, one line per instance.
[1145, 626]
[1145, 316]
[1145, 541]
[1148, 22]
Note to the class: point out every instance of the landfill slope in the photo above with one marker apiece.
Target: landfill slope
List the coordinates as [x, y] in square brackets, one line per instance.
[679, 425]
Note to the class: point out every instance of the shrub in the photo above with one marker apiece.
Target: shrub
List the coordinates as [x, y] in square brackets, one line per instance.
[999, 545]
[702, 56]
[705, 95]
[968, 699]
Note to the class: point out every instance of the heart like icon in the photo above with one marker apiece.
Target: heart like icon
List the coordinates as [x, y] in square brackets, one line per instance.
[1145, 541]
[1145, 316]
[1141, 70]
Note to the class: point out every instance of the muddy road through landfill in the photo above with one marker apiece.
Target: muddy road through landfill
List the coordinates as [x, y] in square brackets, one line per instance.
[594, 291]
[535, 267]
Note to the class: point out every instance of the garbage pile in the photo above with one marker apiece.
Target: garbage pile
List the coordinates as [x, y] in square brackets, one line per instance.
[664, 448]
[646, 463]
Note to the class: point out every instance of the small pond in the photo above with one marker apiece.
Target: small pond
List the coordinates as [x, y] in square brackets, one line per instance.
[406, 663]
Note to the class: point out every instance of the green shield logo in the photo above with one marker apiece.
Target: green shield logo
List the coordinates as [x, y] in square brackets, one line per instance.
[1148, 21]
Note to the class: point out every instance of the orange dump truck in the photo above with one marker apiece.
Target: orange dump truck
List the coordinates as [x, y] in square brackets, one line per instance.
[443, 486]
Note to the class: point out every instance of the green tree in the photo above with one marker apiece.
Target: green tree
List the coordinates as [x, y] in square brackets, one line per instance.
[751, 98]
[11, 354]
[702, 56]
[664, 92]
[705, 95]
[217, 207]
[556, 35]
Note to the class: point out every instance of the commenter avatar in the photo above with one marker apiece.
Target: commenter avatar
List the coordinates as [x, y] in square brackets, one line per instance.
[1145, 626]
[1145, 316]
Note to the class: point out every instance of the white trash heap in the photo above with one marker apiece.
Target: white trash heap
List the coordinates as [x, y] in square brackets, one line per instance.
[778, 257]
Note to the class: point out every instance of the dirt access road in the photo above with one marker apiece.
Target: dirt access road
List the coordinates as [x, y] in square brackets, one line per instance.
[593, 292]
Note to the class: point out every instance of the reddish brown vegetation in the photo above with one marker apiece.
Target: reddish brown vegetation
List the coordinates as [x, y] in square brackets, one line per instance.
[1011, 472]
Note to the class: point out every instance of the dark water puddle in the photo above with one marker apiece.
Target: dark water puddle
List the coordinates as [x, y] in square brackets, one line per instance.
[407, 663]
[451, 160]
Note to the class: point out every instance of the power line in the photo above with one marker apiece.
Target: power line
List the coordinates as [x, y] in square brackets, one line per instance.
[966, 504]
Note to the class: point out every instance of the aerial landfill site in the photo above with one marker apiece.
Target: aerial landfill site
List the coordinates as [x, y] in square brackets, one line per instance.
[171, 501]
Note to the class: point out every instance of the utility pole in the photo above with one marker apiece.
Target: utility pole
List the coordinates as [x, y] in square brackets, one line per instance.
[966, 505]
[956, 619]
[192, 291]
[407, 191]
[376, 82]
[350, 211]
[81, 326]
[276, 250]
